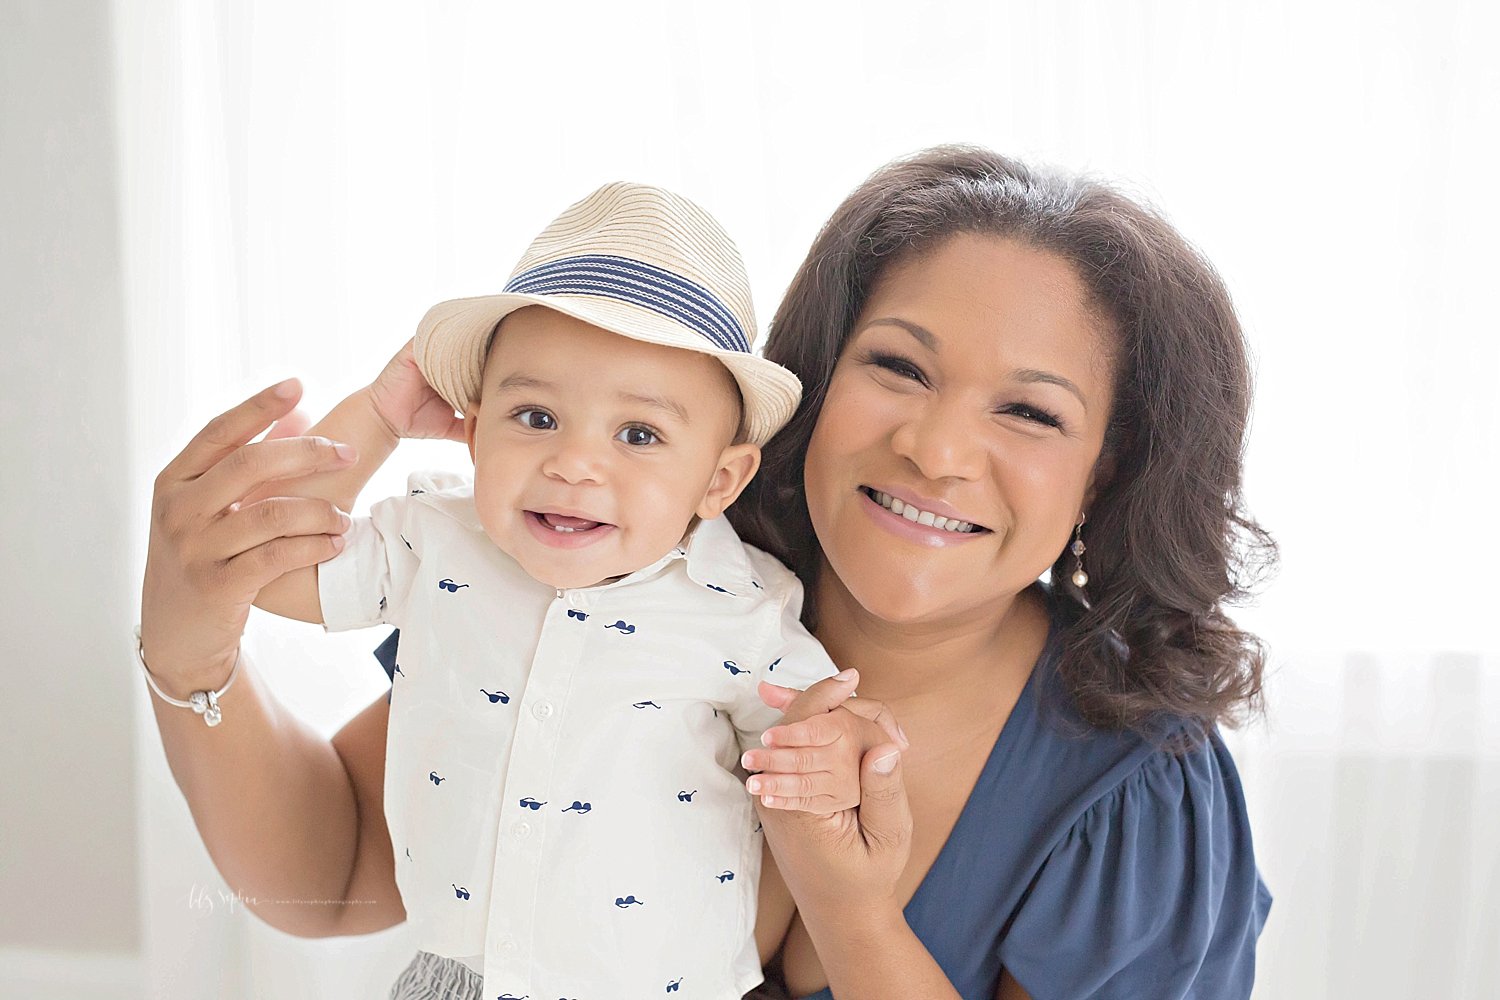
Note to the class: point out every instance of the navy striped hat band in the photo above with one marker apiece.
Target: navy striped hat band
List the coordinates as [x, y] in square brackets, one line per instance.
[641, 284]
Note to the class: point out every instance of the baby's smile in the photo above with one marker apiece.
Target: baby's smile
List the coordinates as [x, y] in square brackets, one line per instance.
[566, 531]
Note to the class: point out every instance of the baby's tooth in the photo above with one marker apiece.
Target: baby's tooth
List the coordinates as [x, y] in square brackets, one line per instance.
[897, 506]
[940, 522]
[910, 513]
[926, 517]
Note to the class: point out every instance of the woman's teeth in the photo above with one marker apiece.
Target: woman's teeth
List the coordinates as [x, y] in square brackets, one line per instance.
[928, 518]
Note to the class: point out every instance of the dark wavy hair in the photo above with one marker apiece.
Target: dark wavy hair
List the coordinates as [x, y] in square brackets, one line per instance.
[1169, 542]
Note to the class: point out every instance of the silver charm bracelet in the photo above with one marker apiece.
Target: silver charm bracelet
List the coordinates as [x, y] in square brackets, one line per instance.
[205, 703]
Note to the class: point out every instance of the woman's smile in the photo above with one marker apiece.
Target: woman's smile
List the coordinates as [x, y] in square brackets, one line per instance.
[928, 522]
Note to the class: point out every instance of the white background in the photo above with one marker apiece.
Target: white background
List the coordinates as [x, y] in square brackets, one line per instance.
[300, 180]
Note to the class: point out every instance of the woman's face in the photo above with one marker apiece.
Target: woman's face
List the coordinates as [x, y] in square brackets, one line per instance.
[973, 395]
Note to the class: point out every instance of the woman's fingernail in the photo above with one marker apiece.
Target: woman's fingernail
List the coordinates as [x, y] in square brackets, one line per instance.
[745, 760]
[766, 739]
[753, 784]
[886, 764]
[345, 452]
[346, 522]
[285, 390]
[338, 542]
[768, 800]
[902, 734]
[844, 675]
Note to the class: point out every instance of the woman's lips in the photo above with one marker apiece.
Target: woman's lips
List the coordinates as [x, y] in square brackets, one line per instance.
[952, 531]
[563, 531]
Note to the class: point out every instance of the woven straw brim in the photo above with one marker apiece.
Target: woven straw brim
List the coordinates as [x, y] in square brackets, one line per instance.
[451, 341]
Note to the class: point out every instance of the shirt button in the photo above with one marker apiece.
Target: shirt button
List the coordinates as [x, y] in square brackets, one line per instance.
[542, 710]
[521, 830]
[505, 943]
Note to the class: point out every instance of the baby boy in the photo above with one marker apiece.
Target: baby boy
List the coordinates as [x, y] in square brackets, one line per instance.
[582, 633]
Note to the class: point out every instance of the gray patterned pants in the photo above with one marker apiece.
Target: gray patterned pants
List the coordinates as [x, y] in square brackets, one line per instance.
[432, 977]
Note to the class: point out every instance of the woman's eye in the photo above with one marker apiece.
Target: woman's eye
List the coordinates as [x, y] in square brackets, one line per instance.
[537, 420]
[637, 436]
[1033, 414]
[897, 365]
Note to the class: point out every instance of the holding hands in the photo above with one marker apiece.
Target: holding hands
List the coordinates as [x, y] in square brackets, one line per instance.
[231, 515]
[830, 795]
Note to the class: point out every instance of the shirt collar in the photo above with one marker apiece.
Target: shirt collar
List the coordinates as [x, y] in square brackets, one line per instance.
[716, 558]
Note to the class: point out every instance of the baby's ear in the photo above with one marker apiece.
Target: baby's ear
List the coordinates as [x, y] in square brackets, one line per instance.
[737, 466]
[471, 421]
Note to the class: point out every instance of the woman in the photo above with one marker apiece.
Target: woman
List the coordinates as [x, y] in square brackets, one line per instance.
[1005, 373]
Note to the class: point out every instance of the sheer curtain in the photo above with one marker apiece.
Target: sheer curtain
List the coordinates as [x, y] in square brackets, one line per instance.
[303, 178]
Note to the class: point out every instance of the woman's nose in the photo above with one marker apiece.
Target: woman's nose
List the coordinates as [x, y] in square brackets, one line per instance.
[576, 459]
[943, 442]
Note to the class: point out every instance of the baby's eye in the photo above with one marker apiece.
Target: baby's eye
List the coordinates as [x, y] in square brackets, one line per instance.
[537, 420]
[637, 436]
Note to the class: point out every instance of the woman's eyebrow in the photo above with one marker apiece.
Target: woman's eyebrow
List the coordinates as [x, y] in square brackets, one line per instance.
[1033, 376]
[923, 335]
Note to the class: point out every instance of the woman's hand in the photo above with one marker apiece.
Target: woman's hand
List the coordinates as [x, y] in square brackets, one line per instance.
[409, 406]
[210, 553]
[847, 862]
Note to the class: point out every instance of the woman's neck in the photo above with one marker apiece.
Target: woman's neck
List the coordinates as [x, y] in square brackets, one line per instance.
[901, 662]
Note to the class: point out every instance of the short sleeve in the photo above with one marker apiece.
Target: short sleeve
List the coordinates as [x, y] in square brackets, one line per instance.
[790, 657]
[1152, 892]
[367, 582]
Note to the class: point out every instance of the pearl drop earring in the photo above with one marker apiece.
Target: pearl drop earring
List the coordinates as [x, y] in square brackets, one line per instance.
[1080, 578]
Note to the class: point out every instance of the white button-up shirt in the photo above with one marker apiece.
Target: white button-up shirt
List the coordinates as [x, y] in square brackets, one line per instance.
[562, 779]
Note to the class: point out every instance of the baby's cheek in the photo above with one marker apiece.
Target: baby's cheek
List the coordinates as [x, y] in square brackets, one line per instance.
[660, 511]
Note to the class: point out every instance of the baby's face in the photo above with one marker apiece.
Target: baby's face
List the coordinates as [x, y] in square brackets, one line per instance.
[593, 452]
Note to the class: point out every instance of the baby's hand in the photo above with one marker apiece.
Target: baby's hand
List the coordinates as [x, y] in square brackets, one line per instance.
[408, 406]
[811, 762]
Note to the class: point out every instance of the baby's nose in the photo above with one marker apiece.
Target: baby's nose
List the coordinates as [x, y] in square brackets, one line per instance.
[578, 459]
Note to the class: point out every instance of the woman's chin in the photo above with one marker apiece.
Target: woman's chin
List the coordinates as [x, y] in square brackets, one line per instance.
[891, 597]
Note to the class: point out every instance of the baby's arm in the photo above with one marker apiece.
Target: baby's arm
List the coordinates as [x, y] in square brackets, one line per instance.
[399, 403]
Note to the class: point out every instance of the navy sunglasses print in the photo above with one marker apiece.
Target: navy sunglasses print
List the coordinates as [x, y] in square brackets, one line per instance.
[726, 877]
[580, 615]
[686, 796]
[623, 901]
[497, 696]
[435, 779]
[530, 803]
[578, 807]
[645, 704]
[734, 668]
[460, 891]
[450, 586]
[673, 985]
[624, 628]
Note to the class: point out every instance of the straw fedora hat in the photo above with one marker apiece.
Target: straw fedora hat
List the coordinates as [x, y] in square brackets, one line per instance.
[637, 261]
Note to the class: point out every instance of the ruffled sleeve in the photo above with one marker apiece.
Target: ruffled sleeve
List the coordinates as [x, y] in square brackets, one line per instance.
[1152, 892]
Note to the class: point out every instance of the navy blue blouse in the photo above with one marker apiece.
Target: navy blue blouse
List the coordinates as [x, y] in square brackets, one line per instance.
[1090, 865]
